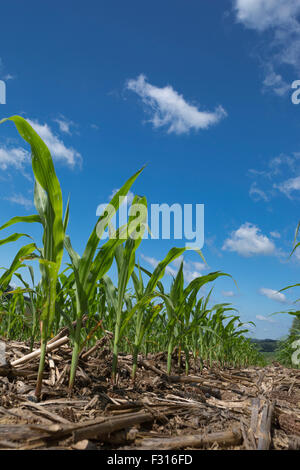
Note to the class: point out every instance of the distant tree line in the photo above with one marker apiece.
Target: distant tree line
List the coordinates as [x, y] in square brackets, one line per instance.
[266, 345]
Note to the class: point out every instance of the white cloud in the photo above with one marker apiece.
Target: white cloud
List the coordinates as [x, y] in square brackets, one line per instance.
[275, 81]
[257, 194]
[152, 261]
[15, 157]
[65, 125]
[262, 318]
[265, 14]
[280, 175]
[275, 234]
[276, 164]
[228, 293]
[211, 243]
[190, 275]
[169, 109]
[288, 186]
[58, 149]
[191, 269]
[280, 19]
[20, 200]
[279, 165]
[199, 266]
[273, 294]
[248, 241]
[189, 264]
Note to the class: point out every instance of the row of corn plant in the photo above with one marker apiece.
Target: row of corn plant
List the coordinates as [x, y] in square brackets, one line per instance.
[83, 294]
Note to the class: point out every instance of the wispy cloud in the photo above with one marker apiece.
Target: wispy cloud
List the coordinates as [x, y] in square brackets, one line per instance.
[228, 293]
[280, 175]
[275, 234]
[282, 44]
[289, 186]
[273, 295]
[249, 241]
[65, 125]
[278, 166]
[169, 109]
[150, 260]
[257, 194]
[13, 157]
[20, 200]
[274, 81]
[210, 242]
[263, 318]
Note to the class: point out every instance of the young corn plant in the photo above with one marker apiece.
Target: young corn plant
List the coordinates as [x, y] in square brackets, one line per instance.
[49, 204]
[125, 257]
[91, 267]
[31, 305]
[146, 316]
[179, 309]
[199, 315]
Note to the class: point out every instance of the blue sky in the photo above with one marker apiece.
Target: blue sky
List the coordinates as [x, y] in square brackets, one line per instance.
[200, 92]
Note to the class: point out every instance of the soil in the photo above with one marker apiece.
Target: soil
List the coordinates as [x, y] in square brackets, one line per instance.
[211, 408]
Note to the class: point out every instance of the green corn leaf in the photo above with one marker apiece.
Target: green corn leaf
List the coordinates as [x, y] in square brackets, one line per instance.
[16, 263]
[45, 175]
[160, 269]
[13, 238]
[94, 239]
[25, 219]
[141, 304]
[202, 280]
[67, 215]
[111, 292]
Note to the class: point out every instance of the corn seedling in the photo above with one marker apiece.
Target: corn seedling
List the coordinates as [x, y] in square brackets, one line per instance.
[49, 205]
